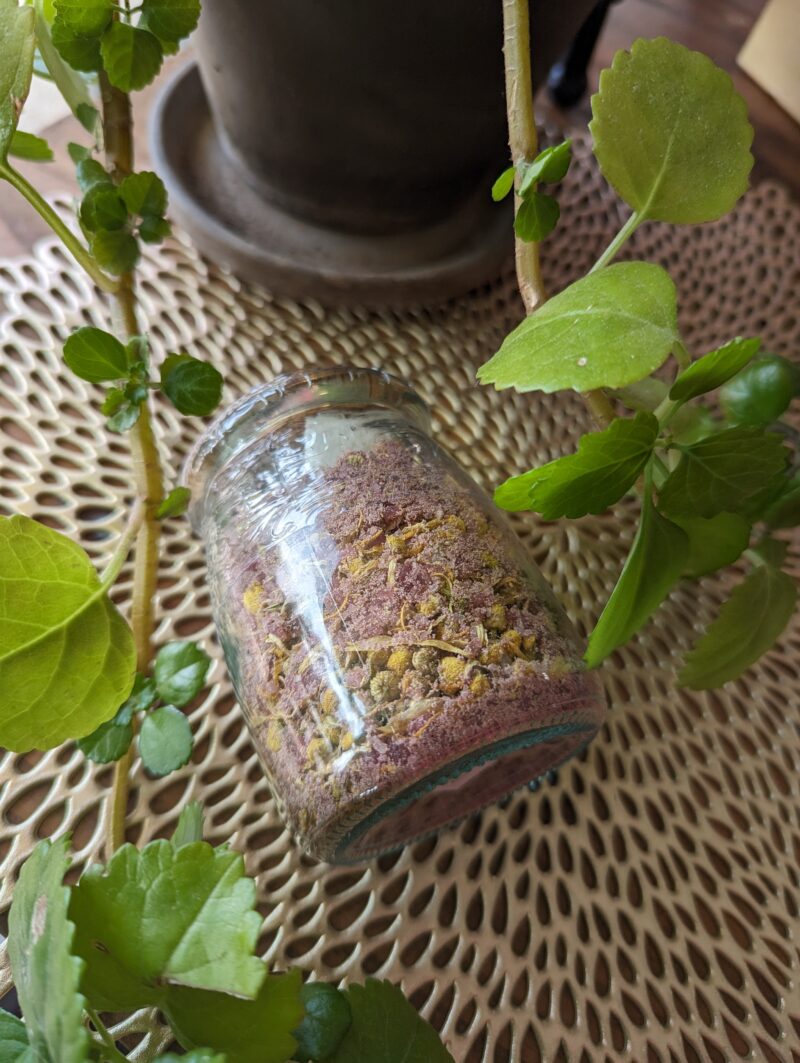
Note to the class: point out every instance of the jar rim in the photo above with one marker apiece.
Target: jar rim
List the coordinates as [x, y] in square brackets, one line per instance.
[282, 398]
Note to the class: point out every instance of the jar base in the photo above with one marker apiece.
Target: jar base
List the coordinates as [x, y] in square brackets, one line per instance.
[461, 788]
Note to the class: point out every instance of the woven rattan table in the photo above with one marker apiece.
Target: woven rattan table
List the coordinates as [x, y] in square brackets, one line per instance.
[643, 906]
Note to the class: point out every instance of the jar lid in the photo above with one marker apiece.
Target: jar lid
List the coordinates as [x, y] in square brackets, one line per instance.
[260, 410]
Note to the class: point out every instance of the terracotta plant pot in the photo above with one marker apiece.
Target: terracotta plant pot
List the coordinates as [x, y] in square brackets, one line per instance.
[348, 149]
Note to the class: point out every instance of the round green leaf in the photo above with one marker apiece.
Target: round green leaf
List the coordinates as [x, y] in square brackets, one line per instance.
[103, 208]
[87, 18]
[503, 184]
[131, 56]
[671, 133]
[714, 543]
[175, 503]
[116, 251]
[95, 355]
[108, 743]
[171, 19]
[536, 217]
[144, 193]
[165, 740]
[67, 664]
[326, 1021]
[90, 173]
[193, 387]
[180, 671]
[608, 329]
[81, 53]
[714, 369]
[154, 230]
[761, 393]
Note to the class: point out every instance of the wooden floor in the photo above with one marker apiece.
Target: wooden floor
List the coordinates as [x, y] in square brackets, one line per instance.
[717, 27]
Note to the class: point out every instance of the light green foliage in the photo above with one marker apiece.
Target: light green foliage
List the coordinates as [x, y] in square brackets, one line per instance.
[190, 825]
[724, 473]
[180, 671]
[95, 355]
[549, 166]
[166, 917]
[171, 20]
[714, 543]
[165, 740]
[387, 1028]
[762, 393]
[193, 387]
[81, 53]
[13, 1039]
[175, 503]
[131, 56]
[17, 46]
[655, 564]
[46, 973]
[67, 657]
[87, 18]
[200, 1055]
[714, 369]
[671, 133]
[537, 216]
[71, 86]
[248, 1031]
[503, 184]
[608, 329]
[327, 1019]
[27, 146]
[748, 625]
[606, 465]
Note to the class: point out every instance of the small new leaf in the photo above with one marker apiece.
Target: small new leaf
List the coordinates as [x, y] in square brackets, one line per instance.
[671, 133]
[27, 146]
[171, 20]
[102, 208]
[761, 394]
[165, 740]
[16, 66]
[386, 1027]
[142, 696]
[608, 329]
[189, 828]
[655, 564]
[162, 917]
[714, 543]
[748, 625]
[87, 18]
[67, 664]
[125, 417]
[175, 503]
[13, 1039]
[116, 252]
[46, 973]
[110, 741]
[180, 671]
[327, 1019]
[81, 53]
[144, 194]
[503, 184]
[549, 166]
[131, 56]
[153, 230]
[193, 387]
[606, 465]
[536, 217]
[95, 355]
[714, 369]
[724, 473]
[91, 173]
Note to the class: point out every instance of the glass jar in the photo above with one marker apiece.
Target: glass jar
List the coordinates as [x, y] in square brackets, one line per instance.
[398, 657]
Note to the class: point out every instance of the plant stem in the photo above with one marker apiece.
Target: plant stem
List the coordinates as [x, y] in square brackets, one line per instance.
[627, 230]
[109, 1049]
[65, 234]
[112, 569]
[523, 143]
[118, 129]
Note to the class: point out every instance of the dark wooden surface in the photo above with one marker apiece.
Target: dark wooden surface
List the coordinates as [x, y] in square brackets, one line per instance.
[717, 27]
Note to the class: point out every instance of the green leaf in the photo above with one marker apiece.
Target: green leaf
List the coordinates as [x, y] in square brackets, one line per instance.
[608, 329]
[88, 116]
[131, 56]
[81, 53]
[784, 510]
[606, 465]
[748, 625]
[690, 424]
[144, 194]
[16, 66]
[724, 473]
[713, 543]
[163, 917]
[110, 741]
[67, 657]
[175, 503]
[773, 551]
[13, 1039]
[90, 173]
[386, 1028]
[645, 395]
[653, 567]
[714, 369]
[503, 184]
[46, 973]
[78, 152]
[248, 1031]
[671, 133]
[141, 697]
[536, 217]
[102, 208]
[549, 166]
[761, 393]
[154, 230]
[95, 355]
[193, 387]
[87, 18]
[171, 20]
[189, 828]
[116, 252]
[71, 86]
[327, 1019]
[165, 740]
[200, 1055]
[27, 146]
[125, 417]
[180, 671]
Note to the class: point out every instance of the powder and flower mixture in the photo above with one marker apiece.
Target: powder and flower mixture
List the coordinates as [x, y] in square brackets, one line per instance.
[400, 631]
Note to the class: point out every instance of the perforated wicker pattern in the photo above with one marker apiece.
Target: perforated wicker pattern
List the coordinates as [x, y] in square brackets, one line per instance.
[642, 907]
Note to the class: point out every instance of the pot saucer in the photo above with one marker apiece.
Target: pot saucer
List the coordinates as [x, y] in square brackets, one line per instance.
[233, 224]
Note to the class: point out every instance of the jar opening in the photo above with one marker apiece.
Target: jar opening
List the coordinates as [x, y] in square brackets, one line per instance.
[259, 411]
